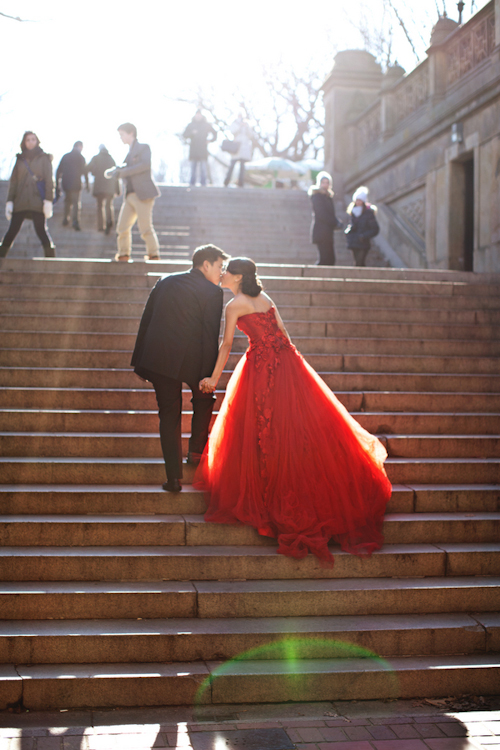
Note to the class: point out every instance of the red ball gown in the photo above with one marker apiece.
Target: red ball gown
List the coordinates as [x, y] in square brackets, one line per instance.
[286, 457]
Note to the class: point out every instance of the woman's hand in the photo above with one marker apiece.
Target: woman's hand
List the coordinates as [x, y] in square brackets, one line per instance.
[207, 385]
[9, 207]
[47, 209]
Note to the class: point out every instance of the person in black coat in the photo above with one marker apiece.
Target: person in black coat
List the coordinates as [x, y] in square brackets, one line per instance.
[177, 343]
[198, 132]
[324, 220]
[363, 225]
[70, 171]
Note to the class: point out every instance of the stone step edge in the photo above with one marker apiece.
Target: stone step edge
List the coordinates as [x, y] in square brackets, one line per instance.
[170, 518]
[284, 585]
[233, 550]
[113, 685]
[153, 489]
[299, 625]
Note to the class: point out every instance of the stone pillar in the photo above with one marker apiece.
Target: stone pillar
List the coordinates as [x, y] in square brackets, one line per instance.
[438, 57]
[351, 87]
[388, 104]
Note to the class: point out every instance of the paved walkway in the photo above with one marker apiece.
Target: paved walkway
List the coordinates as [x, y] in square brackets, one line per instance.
[367, 725]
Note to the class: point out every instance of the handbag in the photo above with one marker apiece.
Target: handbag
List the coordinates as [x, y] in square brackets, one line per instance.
[232, 147]
[40, 184]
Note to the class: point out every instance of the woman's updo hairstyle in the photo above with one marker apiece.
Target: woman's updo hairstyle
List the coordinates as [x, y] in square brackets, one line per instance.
[250, 282]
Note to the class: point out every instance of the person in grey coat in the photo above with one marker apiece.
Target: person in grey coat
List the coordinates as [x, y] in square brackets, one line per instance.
[104, 190]
[70, 171]
[140, 193]
[243, 136]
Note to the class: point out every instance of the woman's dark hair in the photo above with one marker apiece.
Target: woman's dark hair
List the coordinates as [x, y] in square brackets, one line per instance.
[250, 282]
[23, 142]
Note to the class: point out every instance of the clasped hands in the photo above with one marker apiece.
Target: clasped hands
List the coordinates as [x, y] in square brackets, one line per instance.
[207, 385]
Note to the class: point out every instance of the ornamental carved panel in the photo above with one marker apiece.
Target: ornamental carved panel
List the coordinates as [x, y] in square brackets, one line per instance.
[413, 92]
[411, 208]
[370, 126]
[474, 44]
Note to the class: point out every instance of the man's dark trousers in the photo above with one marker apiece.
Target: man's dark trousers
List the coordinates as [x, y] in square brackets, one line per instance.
[169, 398]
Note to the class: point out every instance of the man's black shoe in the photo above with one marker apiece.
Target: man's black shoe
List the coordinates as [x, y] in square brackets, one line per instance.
[65, 223]
[77, 227]
[173, 485]
[193, 459]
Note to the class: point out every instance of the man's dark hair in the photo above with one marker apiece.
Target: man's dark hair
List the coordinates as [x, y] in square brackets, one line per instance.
[128, 128]
[211, 253]
[78, 144]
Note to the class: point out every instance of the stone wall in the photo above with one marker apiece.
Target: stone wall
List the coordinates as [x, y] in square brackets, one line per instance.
[427, 144]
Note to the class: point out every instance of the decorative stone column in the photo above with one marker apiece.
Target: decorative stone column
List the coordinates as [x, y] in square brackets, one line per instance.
[351, 87]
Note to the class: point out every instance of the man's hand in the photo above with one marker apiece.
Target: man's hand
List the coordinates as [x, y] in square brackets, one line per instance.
[111, 172]
[47, 209]
[9, 208]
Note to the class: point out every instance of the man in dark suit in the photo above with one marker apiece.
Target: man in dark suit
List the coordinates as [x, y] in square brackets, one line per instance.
[177, 343]
[140, 193]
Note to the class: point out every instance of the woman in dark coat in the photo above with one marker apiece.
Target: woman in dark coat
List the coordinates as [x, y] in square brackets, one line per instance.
[324, 219]
[104, 190]
[363, 225]
[197, 132]
[31, 194]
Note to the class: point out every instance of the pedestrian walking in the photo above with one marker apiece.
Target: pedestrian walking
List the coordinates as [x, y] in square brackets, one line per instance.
[70, 171]
[198, 132]
[324, 220]
[104, 190]
[31, 194]
[363, 225]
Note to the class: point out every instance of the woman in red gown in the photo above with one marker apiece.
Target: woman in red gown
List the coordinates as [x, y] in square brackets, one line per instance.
[284, 455]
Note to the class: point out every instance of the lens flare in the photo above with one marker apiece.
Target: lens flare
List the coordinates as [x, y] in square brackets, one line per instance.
[298, 663]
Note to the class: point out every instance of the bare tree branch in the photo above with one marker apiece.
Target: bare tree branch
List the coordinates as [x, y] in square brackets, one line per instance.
[14, 18]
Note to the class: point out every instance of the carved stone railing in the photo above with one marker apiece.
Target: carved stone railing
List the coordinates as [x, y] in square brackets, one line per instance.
[369, 126]
[470, 46]
[412, 92]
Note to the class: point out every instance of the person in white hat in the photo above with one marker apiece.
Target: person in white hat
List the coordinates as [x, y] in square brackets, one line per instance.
[363, 225]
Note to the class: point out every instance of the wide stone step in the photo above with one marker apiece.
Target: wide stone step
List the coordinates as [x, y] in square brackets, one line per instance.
[44, 687]
[119, 378]
[147, 444]
[19, 499]
[131, 311]
[307, 344]
[81, 325]
[93, 265]
[164, 530]
[329, 284]
[230, 562]
[145, 470]
[187, 639]
[25, 600]
[141, 421]
[451, 408]
[405, 363]
[370, 298]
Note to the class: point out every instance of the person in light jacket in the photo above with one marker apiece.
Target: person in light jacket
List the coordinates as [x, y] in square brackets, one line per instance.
[140, 193]
[31, 194]
[324, 219]
[243, 135]
[363, 225]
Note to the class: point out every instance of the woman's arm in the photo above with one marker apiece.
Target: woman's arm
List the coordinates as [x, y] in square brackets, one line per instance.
[232, 314]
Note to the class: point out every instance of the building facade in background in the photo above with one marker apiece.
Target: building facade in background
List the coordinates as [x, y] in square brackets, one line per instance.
[427, 144]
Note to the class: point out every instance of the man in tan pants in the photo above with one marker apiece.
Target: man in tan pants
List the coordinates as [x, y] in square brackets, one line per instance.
[140, 193]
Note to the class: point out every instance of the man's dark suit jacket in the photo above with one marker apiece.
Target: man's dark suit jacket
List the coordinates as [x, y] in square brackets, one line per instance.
[179, 331]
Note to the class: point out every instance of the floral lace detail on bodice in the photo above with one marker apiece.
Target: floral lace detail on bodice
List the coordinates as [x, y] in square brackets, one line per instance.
[265, 336]
[267, 342]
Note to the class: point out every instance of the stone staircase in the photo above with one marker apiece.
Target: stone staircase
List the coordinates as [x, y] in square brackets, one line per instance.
[266, 225]
[116, 593]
